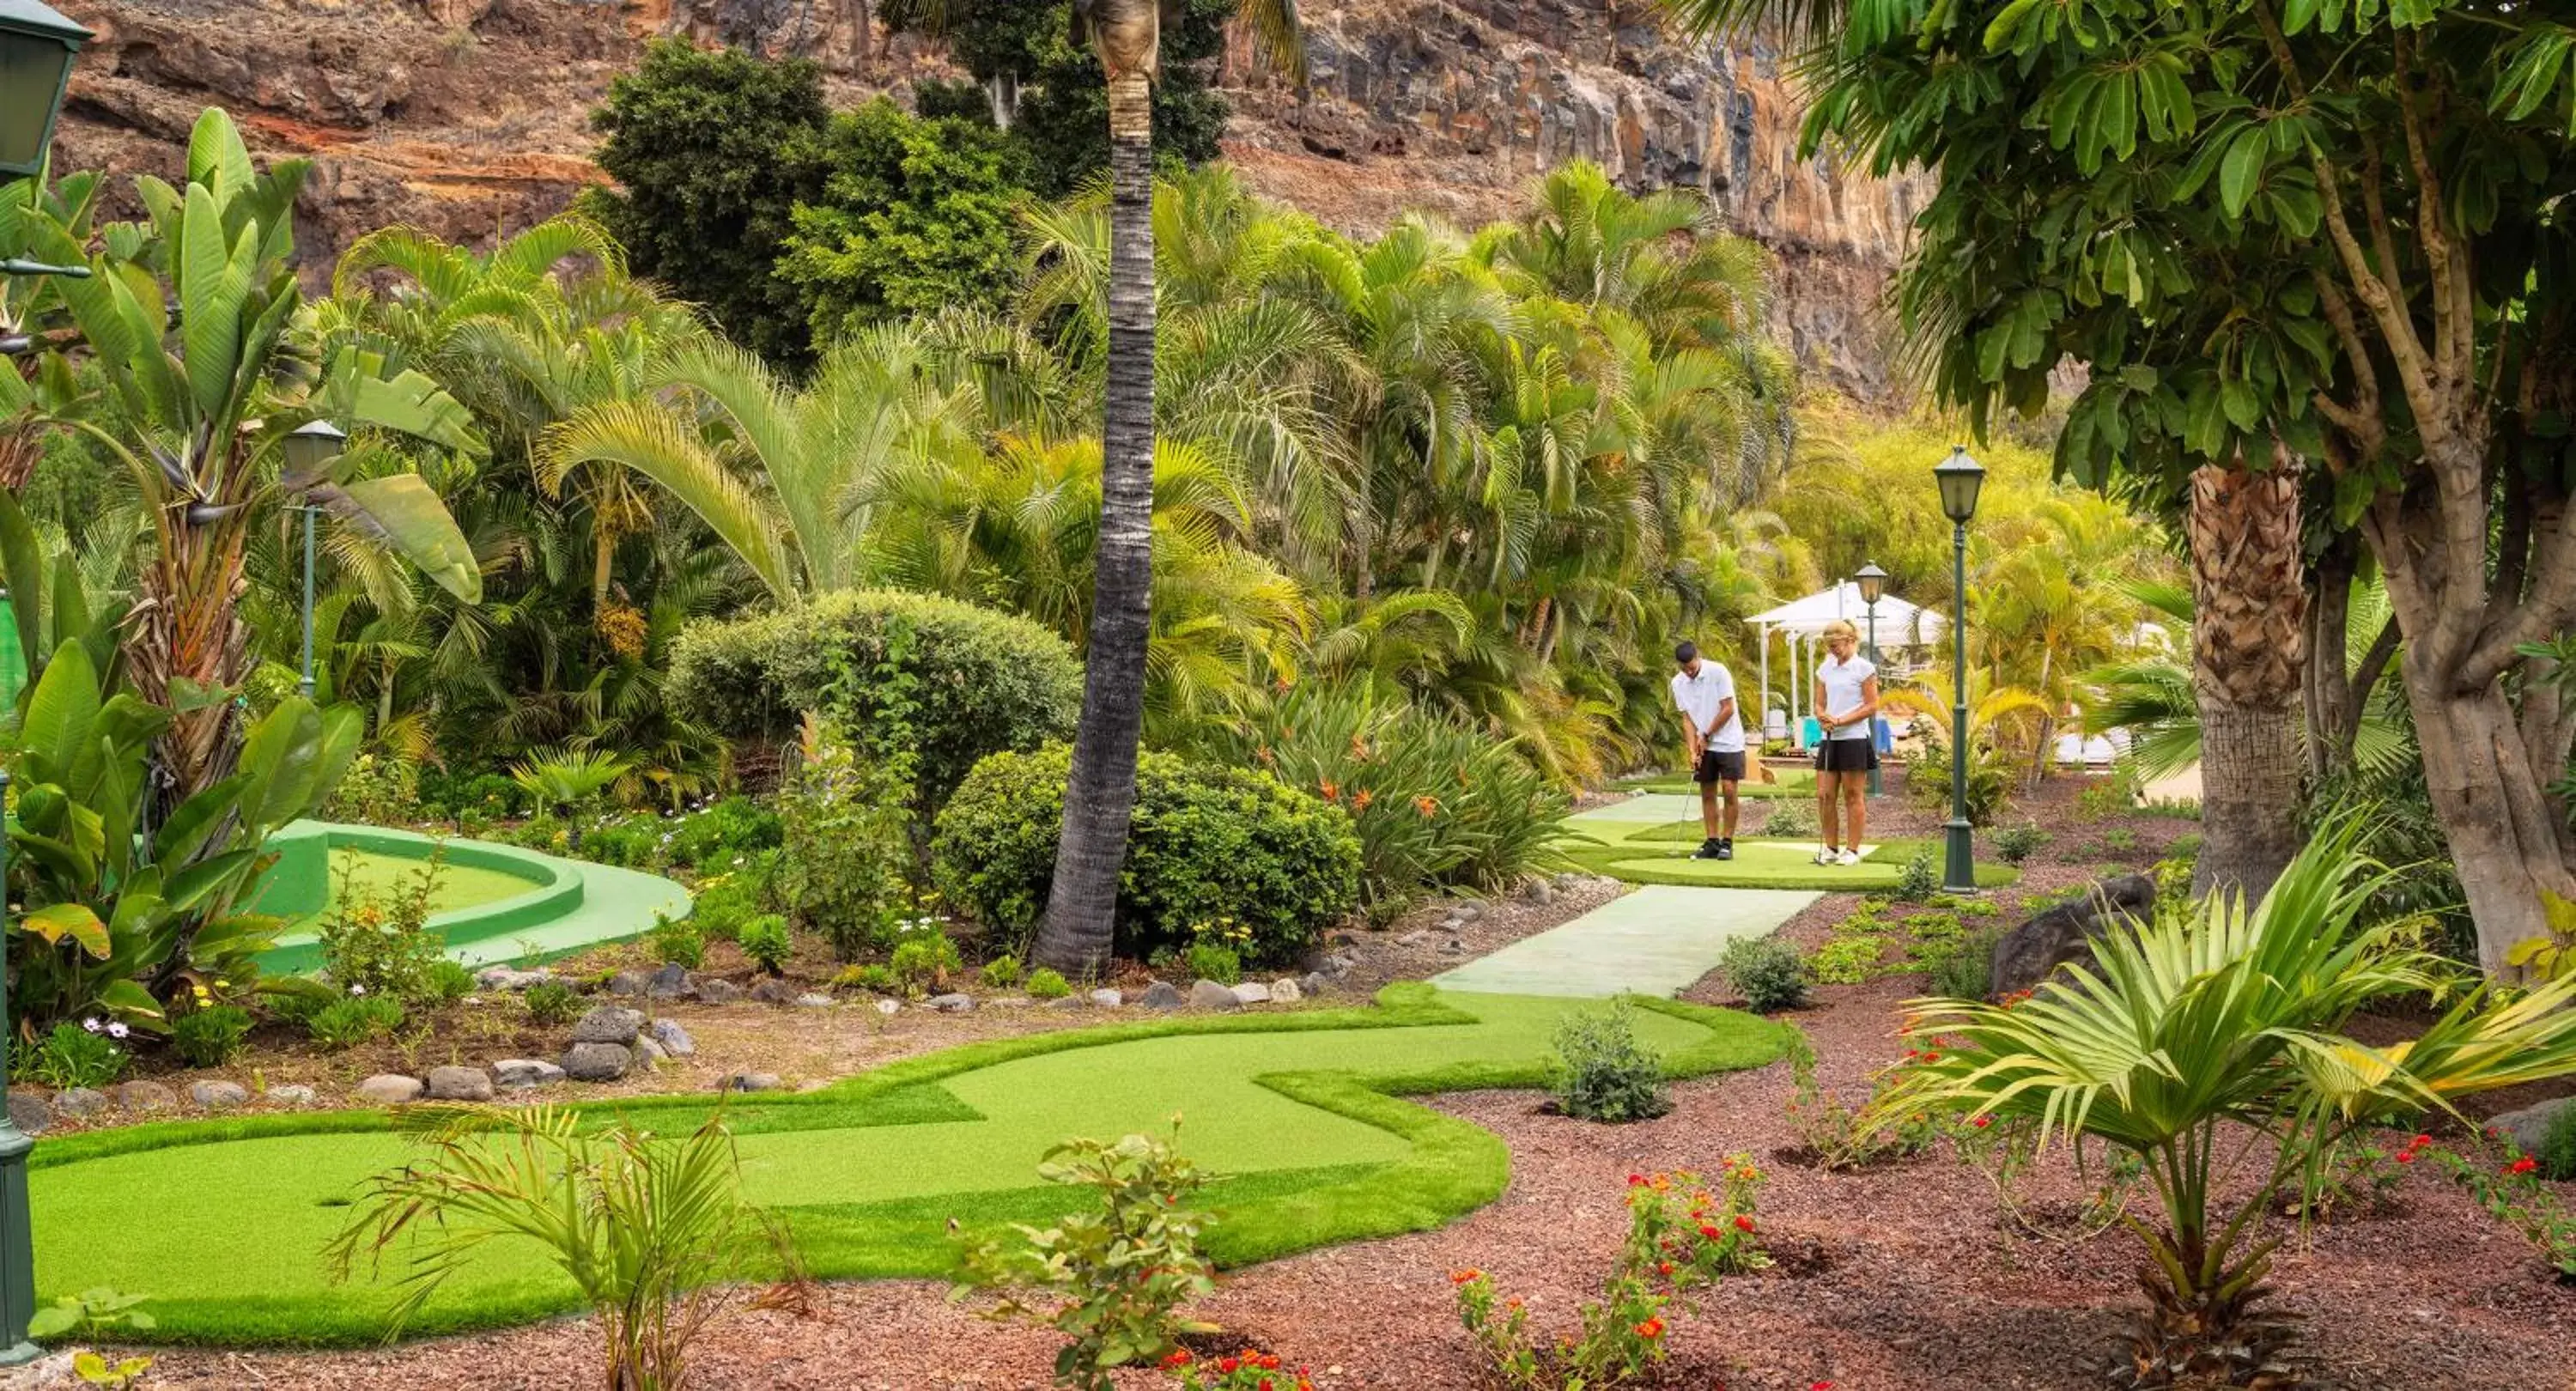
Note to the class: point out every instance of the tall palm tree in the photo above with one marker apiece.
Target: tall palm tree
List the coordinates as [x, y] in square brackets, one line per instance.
[1101, 796]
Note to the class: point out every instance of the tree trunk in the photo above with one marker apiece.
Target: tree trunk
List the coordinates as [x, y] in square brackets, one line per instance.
[2487, 794]
[187, 627]
[2333, 707]
[1100, 799]
[2248, 634]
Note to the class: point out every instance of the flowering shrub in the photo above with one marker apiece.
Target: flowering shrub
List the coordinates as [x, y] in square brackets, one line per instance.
[1248, 1370]
[1833, 1135]
[383, 946]
[1602, 1073]
[2004, 1152]
[210, 1035]
[1122, 1271]
[1681, 1234]
[2511, 1189]
[87, 1054]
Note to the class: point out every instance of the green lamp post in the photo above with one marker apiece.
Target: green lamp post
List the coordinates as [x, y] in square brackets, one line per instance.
[1959, 477]
[310, 448]
[1873, 586]
[36, 50]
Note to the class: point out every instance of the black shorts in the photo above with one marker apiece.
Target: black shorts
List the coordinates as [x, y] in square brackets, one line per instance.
[1846, 755]
[1715, 766]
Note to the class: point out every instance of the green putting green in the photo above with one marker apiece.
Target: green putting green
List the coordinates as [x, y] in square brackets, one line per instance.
[222, 1222]
[1640, 849]
[374, 874]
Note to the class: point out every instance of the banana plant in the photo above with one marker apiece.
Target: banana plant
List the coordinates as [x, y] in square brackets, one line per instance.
[113, 918]
[213, 359]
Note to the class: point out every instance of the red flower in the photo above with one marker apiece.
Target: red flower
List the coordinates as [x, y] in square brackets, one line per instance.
[1636, 1180]
[1360, 799]
[1820, 1386]
[1460, 1277]
[1665, 1269]
[2419, 1142]
[1931, 1055]
[1982, 1122]
[1650, 1329]
[1743, 1223]
[1708, 1231]
[1226, 1366]
[2523, 1165]
[1180, 1358]
[2406, 1156]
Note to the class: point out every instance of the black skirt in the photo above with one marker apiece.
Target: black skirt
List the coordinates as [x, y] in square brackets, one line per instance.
[1846, 755]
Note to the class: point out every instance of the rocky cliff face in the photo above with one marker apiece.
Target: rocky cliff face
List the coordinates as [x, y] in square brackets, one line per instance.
[464, 117]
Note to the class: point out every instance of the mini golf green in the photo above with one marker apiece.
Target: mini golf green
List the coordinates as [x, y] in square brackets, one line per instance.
[492, 902]
[222, 1222]
[1641, 841]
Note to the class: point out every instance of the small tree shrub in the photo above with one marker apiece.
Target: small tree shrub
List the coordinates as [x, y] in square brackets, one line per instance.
[384, 946]
[1002, 972]
[2556, 1153]
[1832, 1135]
[926, 961]
[376, 791]
[1119, 1274]
[552, 1003]
[356, 1020]
[1048, 984]
[1209, 961]
[1207, 844]
[765, 940]
[1766, 972]
[210, 1035]
[86, 1054]
[1789, 821]
[1968, 972]
[2016, 844]
[1602, 1073]
[449, 981]
[876, 976]
[1920, 879]
[714, 835]
[678, 942]
[983, 681]
[847, 851]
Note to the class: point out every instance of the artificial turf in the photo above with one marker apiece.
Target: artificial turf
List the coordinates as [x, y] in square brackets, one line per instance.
[380, 877]
[1649, 852]
[222, 1223]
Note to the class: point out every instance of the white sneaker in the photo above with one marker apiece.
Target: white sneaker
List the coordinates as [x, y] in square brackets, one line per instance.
[1826, 856]
[1848, 857]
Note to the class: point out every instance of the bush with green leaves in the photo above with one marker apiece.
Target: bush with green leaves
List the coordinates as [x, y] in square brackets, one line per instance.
[1919, 880]
[981, 682]
[1207, 843]
[358, 1019]
[1966, 973]
[382, 944]
[1210, 961]
[552, 1003]
[2016, 844]
[1115, 1275]
[94, 1312]
[1437, 804]
[1002, 972]
[210, 1035]
[711, 837]
[1767, 972]
[844, 866]
[86, 1054]
[874, 976]
[1601, 1072]
[1847, 957]
[926, 960]
[1990, 779]
[678, 942]
[378, 790]
[766, 940]
[2556, 1152]
[1045, 983]
[1789, 822]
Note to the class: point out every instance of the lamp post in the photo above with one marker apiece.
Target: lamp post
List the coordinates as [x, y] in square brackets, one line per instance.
[1959, 477]
[310, 448]
[36, 50]
[1873, 584]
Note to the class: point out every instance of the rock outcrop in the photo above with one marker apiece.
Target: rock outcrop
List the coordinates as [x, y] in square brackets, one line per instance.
[463, 117]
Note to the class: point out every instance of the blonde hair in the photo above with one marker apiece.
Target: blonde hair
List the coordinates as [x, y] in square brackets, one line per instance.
[1842, 628]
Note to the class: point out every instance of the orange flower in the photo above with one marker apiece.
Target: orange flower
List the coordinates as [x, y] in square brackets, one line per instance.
[1331, 793]
[1426, 805]
[1461, 1277]
[1651, 1329]
[1361, 798]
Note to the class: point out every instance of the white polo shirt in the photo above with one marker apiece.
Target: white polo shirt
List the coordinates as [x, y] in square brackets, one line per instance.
[1700, 696]
[1843, 681]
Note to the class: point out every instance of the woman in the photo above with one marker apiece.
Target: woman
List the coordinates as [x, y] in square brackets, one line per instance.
[1846, 704]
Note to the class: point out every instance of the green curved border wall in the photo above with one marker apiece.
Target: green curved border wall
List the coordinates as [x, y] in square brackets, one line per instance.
[570, 905]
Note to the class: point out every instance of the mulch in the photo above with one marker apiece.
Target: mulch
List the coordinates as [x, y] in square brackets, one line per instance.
[1901, 1277]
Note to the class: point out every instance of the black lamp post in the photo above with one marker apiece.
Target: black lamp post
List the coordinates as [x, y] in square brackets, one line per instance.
[1959, 478]
[1873, 585]
[310, 448]
[36, 50]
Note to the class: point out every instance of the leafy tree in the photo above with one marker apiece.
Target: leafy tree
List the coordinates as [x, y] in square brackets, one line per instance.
[915, 216]
[713, 150]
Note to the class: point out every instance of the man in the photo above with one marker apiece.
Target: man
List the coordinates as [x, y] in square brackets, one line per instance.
[1704, 692]
[1846, 704]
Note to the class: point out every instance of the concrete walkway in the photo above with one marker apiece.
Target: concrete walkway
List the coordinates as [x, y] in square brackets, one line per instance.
[1656, 941]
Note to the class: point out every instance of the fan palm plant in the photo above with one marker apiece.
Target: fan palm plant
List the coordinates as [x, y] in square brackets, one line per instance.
[2210, 1044]
[567, 779]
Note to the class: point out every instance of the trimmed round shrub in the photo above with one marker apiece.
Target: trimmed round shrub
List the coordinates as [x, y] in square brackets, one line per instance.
[1208, 843]
[947, 680]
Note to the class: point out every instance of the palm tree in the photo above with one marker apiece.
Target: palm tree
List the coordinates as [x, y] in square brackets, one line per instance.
[1101, 796]
[2248, 658]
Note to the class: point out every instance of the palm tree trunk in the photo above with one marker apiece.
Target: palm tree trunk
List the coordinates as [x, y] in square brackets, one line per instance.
[187, 628]
[2248, 664]
[1101, 797]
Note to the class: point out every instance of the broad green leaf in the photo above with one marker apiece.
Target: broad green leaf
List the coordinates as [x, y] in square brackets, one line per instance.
[281, 753]
[407, 515]
[55, 921]
[187, 830]
[22, 564]
[2240, 172]
[191, 889]
[131, 1000]
[62, 709]
[216, 155]
[214, 278]
[411, 404]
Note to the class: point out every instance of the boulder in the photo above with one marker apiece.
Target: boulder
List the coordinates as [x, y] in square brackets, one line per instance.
[1415, 938]
[214, 1096]
[1285, 992]
[775, 990]
[1207, 994]
[1313, 983]
[669, 983]
[1107, 999]
[1452, 923]
[2525, 1127]
[1252, 992]
[527, 1072]
[510, 978]
[715, 990]
[2029, 953]
[952, 1003]
[292, 1094]
[648, 1053]
[889, 1008]
[1162, 994]
[1470, 911]
[459, 1084]
[75, 1102]
[144, 1096]
[674, 1039]
[629, 983]
[32, 1116]
[609, 1024]
[751, 1082]
[1540, 892]
[597, 1062]
[391, 1089]
[814, 999]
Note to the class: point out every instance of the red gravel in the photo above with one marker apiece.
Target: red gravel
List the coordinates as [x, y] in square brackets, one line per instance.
[1911, 1281]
